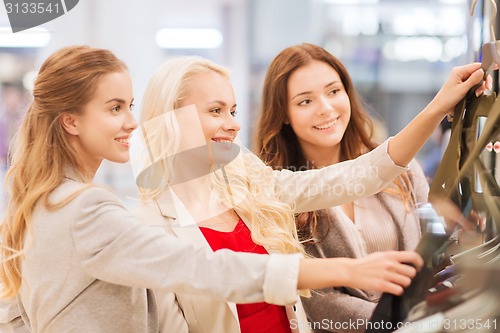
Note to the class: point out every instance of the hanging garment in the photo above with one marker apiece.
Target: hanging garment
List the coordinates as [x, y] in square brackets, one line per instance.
[463, 179]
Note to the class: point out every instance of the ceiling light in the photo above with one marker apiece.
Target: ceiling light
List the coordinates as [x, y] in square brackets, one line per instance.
[189, 38]
[35, 37]
[352, 2]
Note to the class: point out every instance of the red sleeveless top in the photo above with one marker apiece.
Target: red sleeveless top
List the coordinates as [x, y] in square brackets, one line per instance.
[254, 317]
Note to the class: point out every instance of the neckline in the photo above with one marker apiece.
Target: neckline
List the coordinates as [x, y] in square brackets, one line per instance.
[238, 225]
[340, 211]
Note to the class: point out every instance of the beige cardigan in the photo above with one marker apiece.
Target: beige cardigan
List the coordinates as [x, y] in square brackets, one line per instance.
[348, 307]
[204, 314]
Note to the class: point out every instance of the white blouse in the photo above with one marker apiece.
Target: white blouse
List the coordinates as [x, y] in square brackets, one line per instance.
[373, 228]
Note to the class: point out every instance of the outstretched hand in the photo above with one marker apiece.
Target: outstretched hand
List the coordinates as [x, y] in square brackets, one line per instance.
[460, 81]
[389, 271]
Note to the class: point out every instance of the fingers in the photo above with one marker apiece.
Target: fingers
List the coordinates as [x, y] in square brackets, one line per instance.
[392, 282]
[486, 85]
[489, 82]
[471, 75]
[397, 279]
[464, 72]
[407, 257]
[475, 77]
[450, 212]
[390, 271]
[400, 273]
[392, 288]
[478, 220]
[460, 81]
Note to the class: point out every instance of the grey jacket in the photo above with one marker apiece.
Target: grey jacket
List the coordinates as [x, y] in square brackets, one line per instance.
[87, 267]
[347, 309]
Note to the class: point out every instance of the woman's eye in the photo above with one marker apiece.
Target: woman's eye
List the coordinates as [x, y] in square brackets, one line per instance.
[233, 113]
[334, 91]
[115, 108]
[216, 110]
[305, 102]
[132, 106]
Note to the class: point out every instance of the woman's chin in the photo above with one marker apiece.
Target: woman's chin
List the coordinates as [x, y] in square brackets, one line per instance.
[223, 153]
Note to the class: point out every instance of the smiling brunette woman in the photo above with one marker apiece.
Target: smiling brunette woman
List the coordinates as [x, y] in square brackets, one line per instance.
[311, 117]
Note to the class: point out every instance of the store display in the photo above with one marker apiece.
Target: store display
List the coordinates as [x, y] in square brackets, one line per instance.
[457, 290]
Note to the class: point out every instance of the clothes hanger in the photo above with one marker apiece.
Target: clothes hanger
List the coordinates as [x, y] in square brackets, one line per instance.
[490, 52]
[475, 251]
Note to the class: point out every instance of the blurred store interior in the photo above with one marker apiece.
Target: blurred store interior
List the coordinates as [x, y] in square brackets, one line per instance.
[398, 52]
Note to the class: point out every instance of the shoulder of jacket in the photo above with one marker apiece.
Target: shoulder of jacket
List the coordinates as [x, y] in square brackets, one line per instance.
[83, 192]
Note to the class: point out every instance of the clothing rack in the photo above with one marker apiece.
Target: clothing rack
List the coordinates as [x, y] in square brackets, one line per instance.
[457, 289]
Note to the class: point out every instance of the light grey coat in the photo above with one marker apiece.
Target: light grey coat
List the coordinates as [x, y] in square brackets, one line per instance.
[88, 265]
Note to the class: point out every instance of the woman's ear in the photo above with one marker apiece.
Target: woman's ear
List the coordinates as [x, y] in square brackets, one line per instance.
[69, 123]
[286, 121]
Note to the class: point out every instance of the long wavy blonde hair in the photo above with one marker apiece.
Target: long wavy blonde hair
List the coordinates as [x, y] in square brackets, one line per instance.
[41, 151]
[272, 222]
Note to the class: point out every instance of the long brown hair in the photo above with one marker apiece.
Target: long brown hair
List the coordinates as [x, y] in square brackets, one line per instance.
[65, 84]
[276, 143]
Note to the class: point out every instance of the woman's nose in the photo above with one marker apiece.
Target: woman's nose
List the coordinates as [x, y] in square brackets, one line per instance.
[325, 105]
[231, 124]
[131, 122]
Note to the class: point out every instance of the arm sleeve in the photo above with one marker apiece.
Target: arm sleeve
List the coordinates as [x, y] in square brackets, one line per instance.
[10, 318]
[334, 306]
[419, 182]
[115, 247]
[338, 183]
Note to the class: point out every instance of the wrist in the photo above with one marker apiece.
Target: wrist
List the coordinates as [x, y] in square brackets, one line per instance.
[435, 110]
[341, 272]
